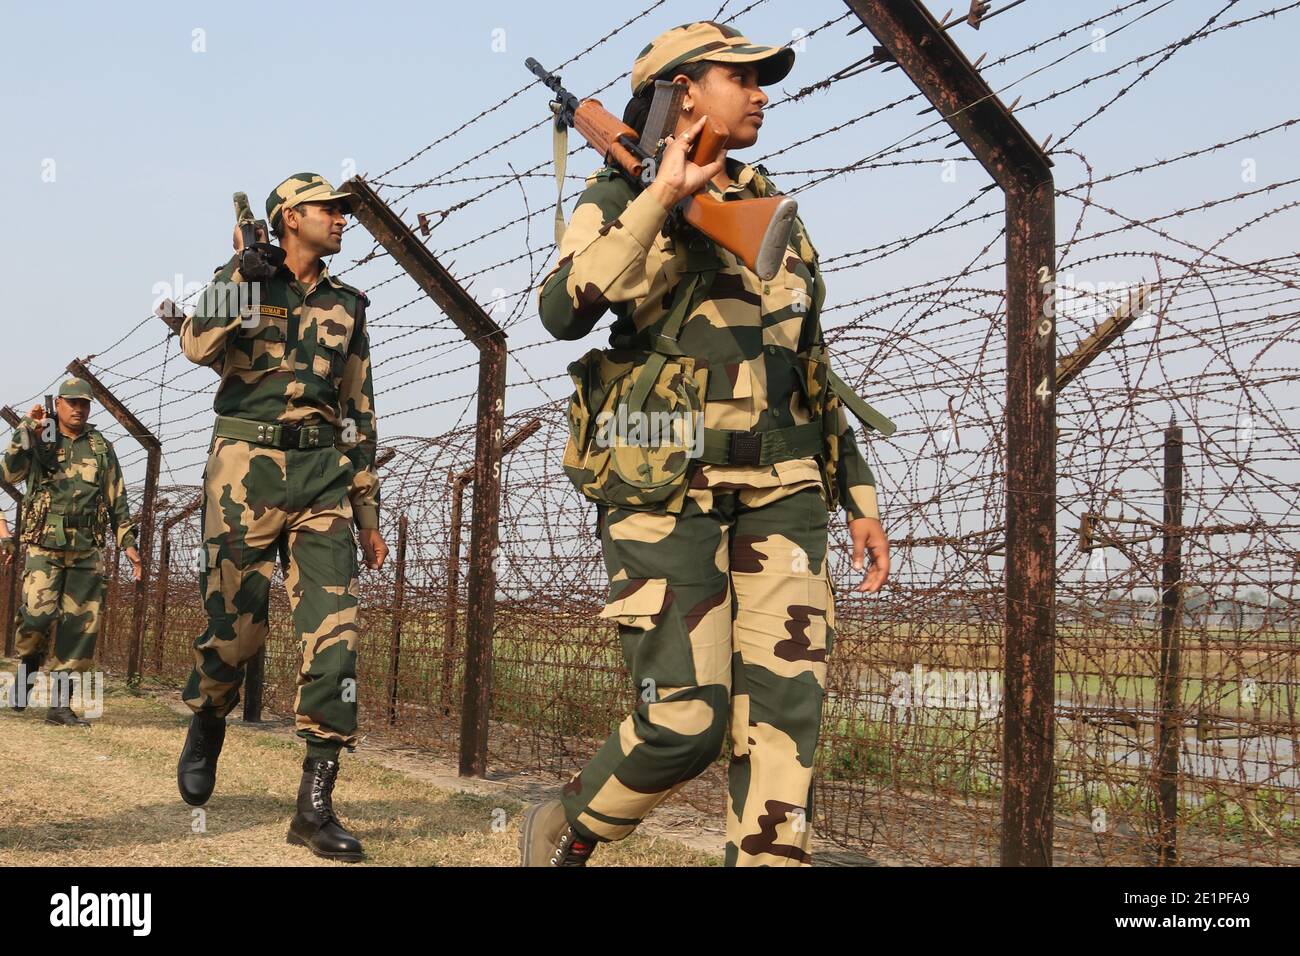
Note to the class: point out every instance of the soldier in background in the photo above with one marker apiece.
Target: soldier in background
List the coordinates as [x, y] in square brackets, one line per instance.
[75, 491]
[291, 466]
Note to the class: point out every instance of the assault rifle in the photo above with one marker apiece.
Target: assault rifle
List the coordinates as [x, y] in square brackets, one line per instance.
[259, 258]
[756, 231]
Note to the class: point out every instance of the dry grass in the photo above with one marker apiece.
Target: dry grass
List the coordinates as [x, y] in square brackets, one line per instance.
[106, 796]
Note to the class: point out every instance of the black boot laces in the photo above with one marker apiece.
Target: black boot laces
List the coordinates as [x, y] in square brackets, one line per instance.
[322, 790]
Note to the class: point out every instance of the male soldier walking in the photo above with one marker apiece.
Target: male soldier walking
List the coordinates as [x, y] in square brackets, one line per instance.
[290, 469]
[74, 490]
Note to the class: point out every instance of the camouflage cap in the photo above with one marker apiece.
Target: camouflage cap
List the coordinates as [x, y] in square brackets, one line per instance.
[300, 188]
[75, 388]
[706, 40]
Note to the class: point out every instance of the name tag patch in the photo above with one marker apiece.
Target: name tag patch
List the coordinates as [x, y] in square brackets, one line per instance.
[274, 311]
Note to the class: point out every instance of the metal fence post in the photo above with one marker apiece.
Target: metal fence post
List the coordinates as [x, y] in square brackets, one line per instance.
[929, 57]
[8, 605]
[254, 682]
[13, 573]
[1169, 724]
[164, 577]
[399, 603]
[478, 327]
[451, 612]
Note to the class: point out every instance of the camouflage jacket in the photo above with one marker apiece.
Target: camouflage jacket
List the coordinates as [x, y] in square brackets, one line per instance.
[72, 490]
[615, 257]
[302, 359]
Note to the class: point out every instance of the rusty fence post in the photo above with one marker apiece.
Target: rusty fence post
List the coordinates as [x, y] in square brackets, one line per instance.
[399, 604]
[254, 684]
[13, 574]
[451, 611]
[926, 53]
[153, 448]
[164, 577]
[8, 598]
[112, 596]
[1169, 724]
[478, 327]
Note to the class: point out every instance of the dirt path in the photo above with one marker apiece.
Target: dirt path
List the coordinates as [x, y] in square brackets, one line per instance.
[107, 796]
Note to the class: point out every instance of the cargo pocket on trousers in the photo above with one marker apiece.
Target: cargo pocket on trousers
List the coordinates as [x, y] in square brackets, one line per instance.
[636, 602]
[222, 578]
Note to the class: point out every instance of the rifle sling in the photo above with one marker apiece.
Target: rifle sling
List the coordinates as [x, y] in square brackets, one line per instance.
[702, 264]
[560, 144]
[860, 409]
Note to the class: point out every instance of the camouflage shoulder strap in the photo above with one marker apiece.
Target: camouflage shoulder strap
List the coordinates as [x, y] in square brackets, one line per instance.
[702, 265]
[99, 447]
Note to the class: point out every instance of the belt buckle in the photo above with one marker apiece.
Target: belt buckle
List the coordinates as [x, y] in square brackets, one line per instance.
[313, 435]
[745, 448]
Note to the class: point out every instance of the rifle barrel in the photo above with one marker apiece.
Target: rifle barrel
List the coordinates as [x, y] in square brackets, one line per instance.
[566, 99]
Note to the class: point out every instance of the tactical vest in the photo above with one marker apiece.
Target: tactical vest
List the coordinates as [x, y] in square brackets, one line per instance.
[37, 515]
[647, 373]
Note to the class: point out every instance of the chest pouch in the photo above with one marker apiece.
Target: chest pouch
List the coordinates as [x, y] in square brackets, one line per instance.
[636, 416]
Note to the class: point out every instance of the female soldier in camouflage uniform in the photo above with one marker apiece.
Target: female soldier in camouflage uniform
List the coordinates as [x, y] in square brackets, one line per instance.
[718, 578]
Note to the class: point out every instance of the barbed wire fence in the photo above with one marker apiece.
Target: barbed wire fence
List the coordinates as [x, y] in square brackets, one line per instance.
[911, 758]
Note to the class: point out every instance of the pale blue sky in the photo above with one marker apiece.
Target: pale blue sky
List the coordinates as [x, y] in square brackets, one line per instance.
[149, 138]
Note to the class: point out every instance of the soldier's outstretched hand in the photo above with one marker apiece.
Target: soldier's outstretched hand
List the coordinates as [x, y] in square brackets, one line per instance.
[373, 548]
[137, 571]
[868, 536]
[37, 414]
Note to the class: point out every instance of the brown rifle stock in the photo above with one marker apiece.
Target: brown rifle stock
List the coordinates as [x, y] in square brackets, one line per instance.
[754, 230]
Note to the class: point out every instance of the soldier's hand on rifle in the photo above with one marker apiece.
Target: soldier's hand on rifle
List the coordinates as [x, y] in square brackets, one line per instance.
[373, 548]
[137, 571]
[677, 177]
[238, 240]
[868, 535]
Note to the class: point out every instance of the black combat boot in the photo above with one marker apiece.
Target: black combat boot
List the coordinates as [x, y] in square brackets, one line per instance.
[196, 774]
[28, 667]
[61, 712]
[316, 827]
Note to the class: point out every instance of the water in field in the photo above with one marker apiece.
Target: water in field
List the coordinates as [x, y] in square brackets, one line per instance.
[1084, 738]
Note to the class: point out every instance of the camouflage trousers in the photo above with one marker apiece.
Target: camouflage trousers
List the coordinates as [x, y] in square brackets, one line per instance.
[257, 501]
[726, 617]
[63, 589]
